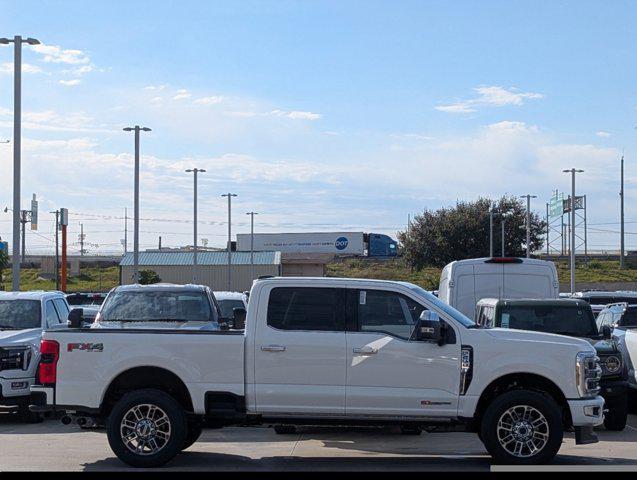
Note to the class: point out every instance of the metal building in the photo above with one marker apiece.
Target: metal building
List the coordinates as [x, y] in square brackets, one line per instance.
[212, 268]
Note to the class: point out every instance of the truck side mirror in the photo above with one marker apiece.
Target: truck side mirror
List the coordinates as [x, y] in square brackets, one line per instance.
[239, 318]
[607, 331]
[429, 328]
[76, 317]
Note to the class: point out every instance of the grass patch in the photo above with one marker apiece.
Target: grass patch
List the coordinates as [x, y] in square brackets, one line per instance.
[92, 279]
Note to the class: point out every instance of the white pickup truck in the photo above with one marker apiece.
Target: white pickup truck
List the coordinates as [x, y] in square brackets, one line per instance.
[324, 351]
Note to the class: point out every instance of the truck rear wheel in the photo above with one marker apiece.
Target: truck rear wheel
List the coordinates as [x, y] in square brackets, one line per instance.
[522, 427]
[146, 428]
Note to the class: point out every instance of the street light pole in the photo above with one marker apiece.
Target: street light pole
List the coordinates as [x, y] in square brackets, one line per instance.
[17, 149]
[528, 223]
[229, 195]
[572, 171]
[621, 196]
[194, 171]
[502, 224]
[491, 231]
[136, 129]
[252, 214]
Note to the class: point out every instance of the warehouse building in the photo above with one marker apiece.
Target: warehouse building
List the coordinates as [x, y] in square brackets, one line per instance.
[212, 268]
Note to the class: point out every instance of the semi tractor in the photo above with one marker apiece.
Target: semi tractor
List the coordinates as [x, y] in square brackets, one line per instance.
[339, 243]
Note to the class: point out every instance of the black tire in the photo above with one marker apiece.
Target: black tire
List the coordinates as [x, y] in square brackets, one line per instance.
[617, 415]
[534, 419]
[285, 429]
[27, 416]
[410, 430]
[194, 432]
[168, 433]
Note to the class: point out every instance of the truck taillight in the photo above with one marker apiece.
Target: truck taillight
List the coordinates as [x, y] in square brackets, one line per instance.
[49, 355]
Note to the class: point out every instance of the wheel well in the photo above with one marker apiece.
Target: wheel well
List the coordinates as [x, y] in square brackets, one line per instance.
[146, 377]
[522, 381]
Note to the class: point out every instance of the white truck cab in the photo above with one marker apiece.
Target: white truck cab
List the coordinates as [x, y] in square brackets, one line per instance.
[465, 282]
[326, 351]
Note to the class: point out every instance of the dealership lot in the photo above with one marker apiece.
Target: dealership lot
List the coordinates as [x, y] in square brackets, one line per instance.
[53, 446]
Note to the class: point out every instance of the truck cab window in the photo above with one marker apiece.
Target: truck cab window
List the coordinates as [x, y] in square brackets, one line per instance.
[387, 312]
[302, 308]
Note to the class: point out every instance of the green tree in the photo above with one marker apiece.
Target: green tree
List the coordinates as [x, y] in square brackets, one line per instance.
[438, 237]
[4, 263]
[148, 277]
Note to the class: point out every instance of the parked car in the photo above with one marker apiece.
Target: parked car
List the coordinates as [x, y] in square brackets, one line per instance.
[23, 317]
[228, 301]
[599, 298]
[330, 351]
[85, 298]
[621, 319]
[463, 283]
[160, 305]
[573, 318]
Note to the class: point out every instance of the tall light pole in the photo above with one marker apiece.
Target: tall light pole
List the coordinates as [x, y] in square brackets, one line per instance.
[194, 171]
[17, 149]
[229, 195]
[136, 129]
[572, 171]
[502, 224]
[252, 214]
[621, 197]
[528, 223]
[491, 231]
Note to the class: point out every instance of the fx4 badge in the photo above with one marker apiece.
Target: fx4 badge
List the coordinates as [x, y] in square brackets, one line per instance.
[85, 347]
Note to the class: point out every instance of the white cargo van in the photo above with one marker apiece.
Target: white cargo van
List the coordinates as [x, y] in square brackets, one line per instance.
[465, 282]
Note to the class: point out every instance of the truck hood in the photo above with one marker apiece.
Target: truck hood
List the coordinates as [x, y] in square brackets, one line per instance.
[30, 336]
[540, 337]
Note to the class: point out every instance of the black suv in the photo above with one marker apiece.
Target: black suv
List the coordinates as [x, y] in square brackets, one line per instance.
[573, 318]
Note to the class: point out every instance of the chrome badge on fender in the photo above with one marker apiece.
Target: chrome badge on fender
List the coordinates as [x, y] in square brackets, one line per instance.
[86, 347]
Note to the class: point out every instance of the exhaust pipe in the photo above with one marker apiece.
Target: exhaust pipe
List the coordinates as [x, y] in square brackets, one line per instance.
[66, 420]
[81, 421]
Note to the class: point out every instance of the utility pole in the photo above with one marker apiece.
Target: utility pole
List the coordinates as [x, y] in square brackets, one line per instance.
[64, 221]
[621, 214]
[17, 149]
[81, 239]
[528, 223]
[125, 230]
[229, 195]
[502, 224]
[23, 224]
[194, 171]
[136, 129]
[252, 214]
[491, 231]
[572, 171]
[57, 249]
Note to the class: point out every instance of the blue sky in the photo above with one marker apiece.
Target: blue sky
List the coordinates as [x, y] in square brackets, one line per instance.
[321, 115]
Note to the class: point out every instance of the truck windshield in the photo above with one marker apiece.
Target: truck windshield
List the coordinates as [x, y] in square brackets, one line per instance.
[19, 314]
[227, 307]
[153, 306]
[449, 310]
[570, 320]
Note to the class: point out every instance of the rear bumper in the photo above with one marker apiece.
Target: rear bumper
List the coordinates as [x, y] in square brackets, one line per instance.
[14, 391]
[42, 399]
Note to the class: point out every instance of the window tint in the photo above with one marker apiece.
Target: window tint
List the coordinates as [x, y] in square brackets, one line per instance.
[19, 314]
[227, 307]
[62, 308]
[565, 320]
[630, 318]
[302, 308]
[387, 312]
[50, 314]
[157, 305]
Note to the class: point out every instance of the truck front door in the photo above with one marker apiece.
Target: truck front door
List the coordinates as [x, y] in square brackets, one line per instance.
[299, 352]
[388, 372]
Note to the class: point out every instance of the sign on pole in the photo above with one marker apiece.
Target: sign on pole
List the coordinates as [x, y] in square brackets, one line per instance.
[34, 213]
[64, 216]
[556, 205]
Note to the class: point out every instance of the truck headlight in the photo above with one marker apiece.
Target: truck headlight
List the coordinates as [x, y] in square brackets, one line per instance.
[612, 363]
[587, 374]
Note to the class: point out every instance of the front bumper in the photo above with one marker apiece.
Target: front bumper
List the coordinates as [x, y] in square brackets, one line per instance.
[586, 413]
[15, 391]
[613, 389]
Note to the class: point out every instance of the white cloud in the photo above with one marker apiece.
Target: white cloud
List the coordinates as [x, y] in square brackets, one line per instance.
[296, 115]
[56, 54]
[603, 134]
[213, 100]
[155, 87]
[7, 67]
[70, 83]
[490, 96]
[182, 94]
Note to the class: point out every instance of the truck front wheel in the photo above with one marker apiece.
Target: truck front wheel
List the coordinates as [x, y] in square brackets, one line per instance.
[522, 427]
[146, 428]
[617, 415]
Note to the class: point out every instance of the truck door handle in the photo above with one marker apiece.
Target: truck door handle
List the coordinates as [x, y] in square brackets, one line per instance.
[273, 348]
[367, 350]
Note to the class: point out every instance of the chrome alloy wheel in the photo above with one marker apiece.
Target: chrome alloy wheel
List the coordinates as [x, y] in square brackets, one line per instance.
[523, 431]
[145, 429]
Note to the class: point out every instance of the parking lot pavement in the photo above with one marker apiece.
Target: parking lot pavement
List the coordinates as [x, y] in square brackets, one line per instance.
[53, 446]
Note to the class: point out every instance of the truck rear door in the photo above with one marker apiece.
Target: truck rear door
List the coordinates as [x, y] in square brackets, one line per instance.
[299, 351]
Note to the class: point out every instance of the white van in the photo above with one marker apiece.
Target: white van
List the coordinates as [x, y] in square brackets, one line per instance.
[465, 282]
